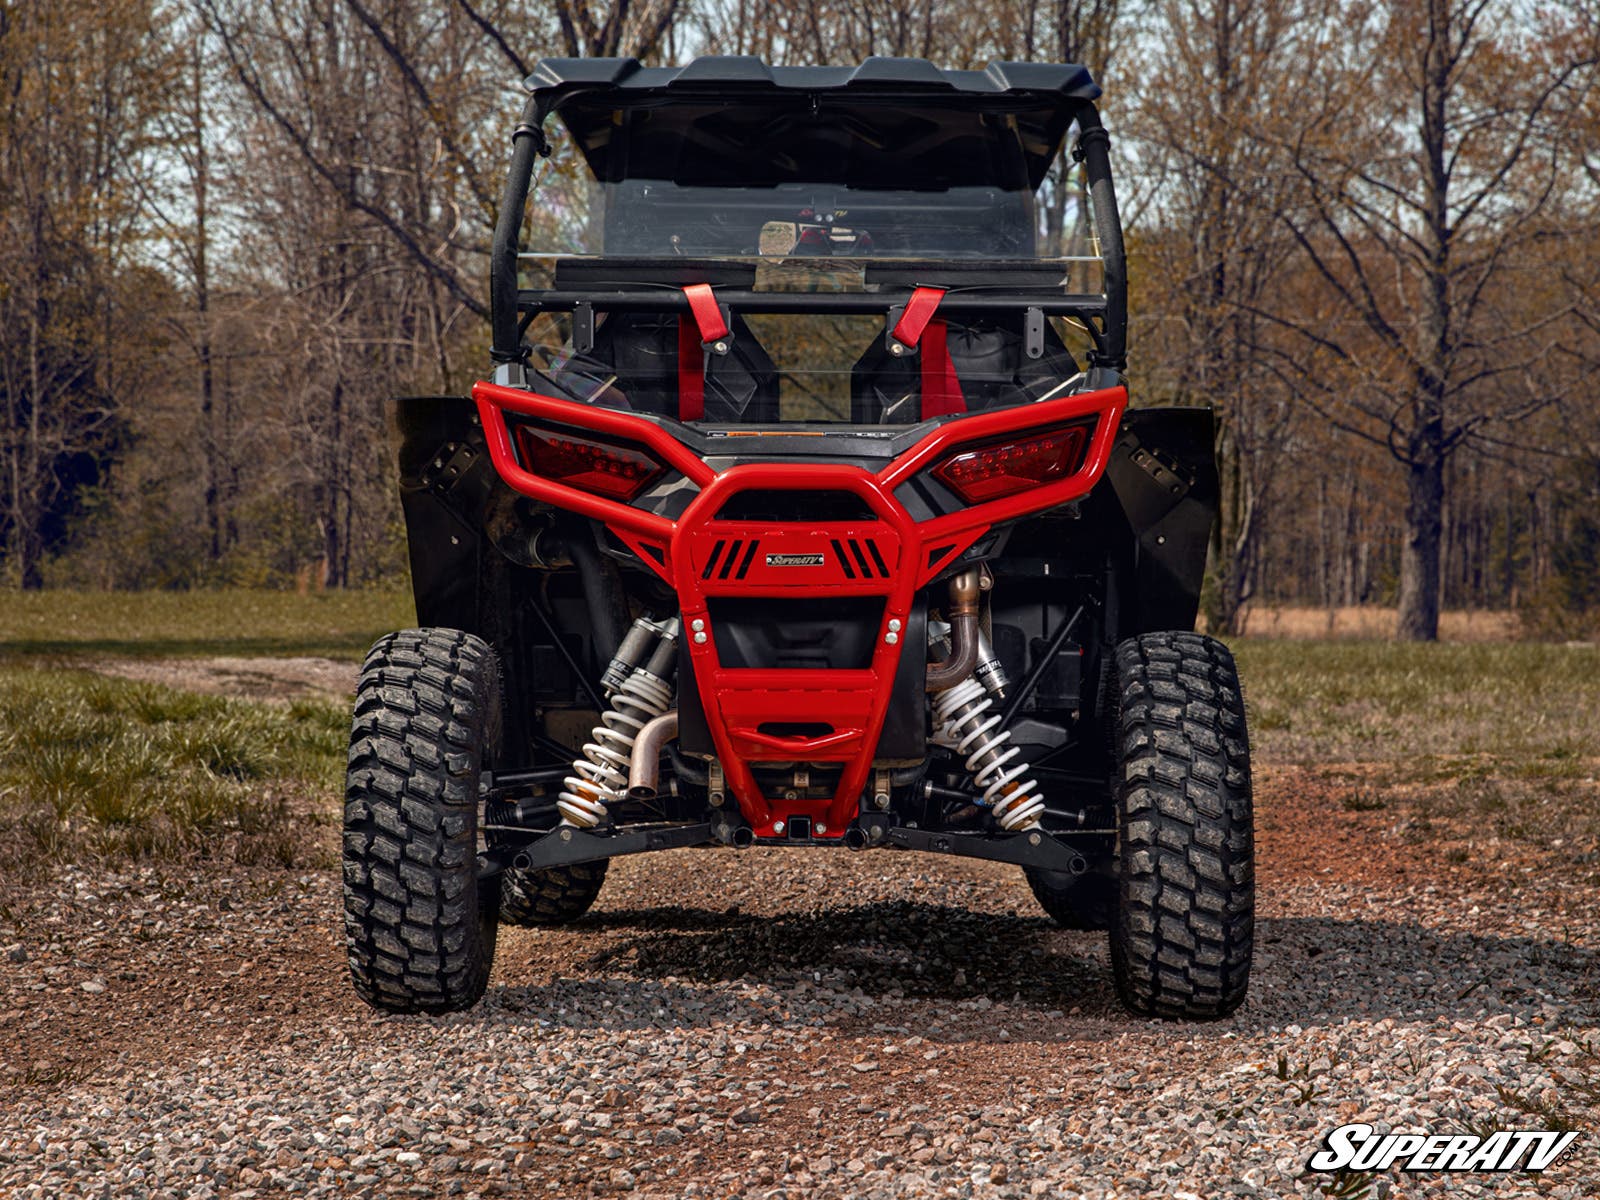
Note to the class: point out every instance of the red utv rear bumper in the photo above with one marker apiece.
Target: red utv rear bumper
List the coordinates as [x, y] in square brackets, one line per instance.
[703, 558]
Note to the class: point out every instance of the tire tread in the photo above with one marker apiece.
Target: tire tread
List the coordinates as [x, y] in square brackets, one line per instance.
[553, 896]
[1182, 942]
[419, 927]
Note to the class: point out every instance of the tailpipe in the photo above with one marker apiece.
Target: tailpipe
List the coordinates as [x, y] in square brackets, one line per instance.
[644, 765]
[740, 837]
[963, 634]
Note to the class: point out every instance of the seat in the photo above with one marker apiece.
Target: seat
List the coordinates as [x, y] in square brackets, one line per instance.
[660, 368]
[959, 367]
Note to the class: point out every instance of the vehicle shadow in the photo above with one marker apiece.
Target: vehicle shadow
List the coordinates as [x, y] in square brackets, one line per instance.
[1307, 969]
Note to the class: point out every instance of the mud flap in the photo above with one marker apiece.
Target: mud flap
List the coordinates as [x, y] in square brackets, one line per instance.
[1163, 471]
[445, 478]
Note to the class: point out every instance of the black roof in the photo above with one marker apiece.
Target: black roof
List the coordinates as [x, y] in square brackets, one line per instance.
[734, 119]
[556, 76]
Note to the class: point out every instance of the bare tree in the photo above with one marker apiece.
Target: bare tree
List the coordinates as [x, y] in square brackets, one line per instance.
[813, 32]
[1220, 73]
[621, 27]
[79, 85]
[1428, 168]
[180, 204]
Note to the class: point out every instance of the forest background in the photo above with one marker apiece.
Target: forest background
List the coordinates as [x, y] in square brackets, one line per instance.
[1365, 233]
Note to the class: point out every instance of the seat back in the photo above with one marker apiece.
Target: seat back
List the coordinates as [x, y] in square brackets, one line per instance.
[660, 368]
[959, 367]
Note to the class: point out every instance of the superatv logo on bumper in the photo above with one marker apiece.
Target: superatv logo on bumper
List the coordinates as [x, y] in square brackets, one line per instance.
[794, 560]
[1363, 1148]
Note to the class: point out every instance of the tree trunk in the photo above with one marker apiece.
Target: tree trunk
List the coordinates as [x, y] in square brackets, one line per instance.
[1419, 554]
[200, 181]
[333, 546]
[1426, 448]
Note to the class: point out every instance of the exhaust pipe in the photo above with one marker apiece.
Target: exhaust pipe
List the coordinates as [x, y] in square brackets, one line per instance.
[740, 837]
[644, 766]
[963, 635]
[855, 838]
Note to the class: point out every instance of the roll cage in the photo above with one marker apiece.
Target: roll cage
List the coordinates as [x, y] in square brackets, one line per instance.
[1036, 105]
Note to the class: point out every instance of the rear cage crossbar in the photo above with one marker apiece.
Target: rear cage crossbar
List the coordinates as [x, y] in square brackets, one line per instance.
[1088, 310]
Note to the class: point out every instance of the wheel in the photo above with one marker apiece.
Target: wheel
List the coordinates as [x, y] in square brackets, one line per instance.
[419, 924]
[1088, 903]
[553, 896]
[1181, 942]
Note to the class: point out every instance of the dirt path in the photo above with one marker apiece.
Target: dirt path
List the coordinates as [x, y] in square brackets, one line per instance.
[248, 678]
[791, 1024]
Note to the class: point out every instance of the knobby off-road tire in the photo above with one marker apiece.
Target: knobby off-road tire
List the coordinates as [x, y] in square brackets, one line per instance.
[1088, 903]
[1182, 940]
[553, 896]
[419, 925]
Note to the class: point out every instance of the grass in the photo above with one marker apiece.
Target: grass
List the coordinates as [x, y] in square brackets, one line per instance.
[235, 622]
[104, 768]
[99, 768]
[1361, 701]
[1463, 741]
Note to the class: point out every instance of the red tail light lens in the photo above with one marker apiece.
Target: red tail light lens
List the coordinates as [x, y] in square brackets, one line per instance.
[615, 472]
[1006, 468]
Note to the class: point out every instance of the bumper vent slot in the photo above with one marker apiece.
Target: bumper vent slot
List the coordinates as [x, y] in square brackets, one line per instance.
[852, 554]
[883, 568]
[749, 557]
[844, 559]
[727, 556]
[711, 563]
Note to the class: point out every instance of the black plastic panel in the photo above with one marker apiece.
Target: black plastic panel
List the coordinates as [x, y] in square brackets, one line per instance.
[820, 633]
[1163, 471]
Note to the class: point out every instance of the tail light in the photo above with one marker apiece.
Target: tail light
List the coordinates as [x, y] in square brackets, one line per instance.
[1005, 468]
[601, 468]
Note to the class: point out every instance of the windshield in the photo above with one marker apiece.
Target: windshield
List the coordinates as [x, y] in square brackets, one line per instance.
[815, 221]
[786, 179]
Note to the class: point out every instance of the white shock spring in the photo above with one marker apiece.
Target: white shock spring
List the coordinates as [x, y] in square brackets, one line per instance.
[962, 719]
[600, 776]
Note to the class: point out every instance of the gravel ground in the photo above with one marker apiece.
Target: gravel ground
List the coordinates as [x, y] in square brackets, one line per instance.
[799, 1024]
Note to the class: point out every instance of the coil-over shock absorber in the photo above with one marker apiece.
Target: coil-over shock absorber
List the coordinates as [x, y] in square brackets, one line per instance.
[600, 774]
[961, 716]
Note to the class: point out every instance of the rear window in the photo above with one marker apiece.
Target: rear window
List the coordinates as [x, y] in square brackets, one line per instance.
[783, 179]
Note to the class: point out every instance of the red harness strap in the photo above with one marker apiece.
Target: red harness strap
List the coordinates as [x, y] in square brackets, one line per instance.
[691, 372]
[707, 313]
[919, 311]
[941, 389]
[693, 336]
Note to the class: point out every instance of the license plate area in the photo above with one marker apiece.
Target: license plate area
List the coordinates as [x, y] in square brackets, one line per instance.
[824, 633]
